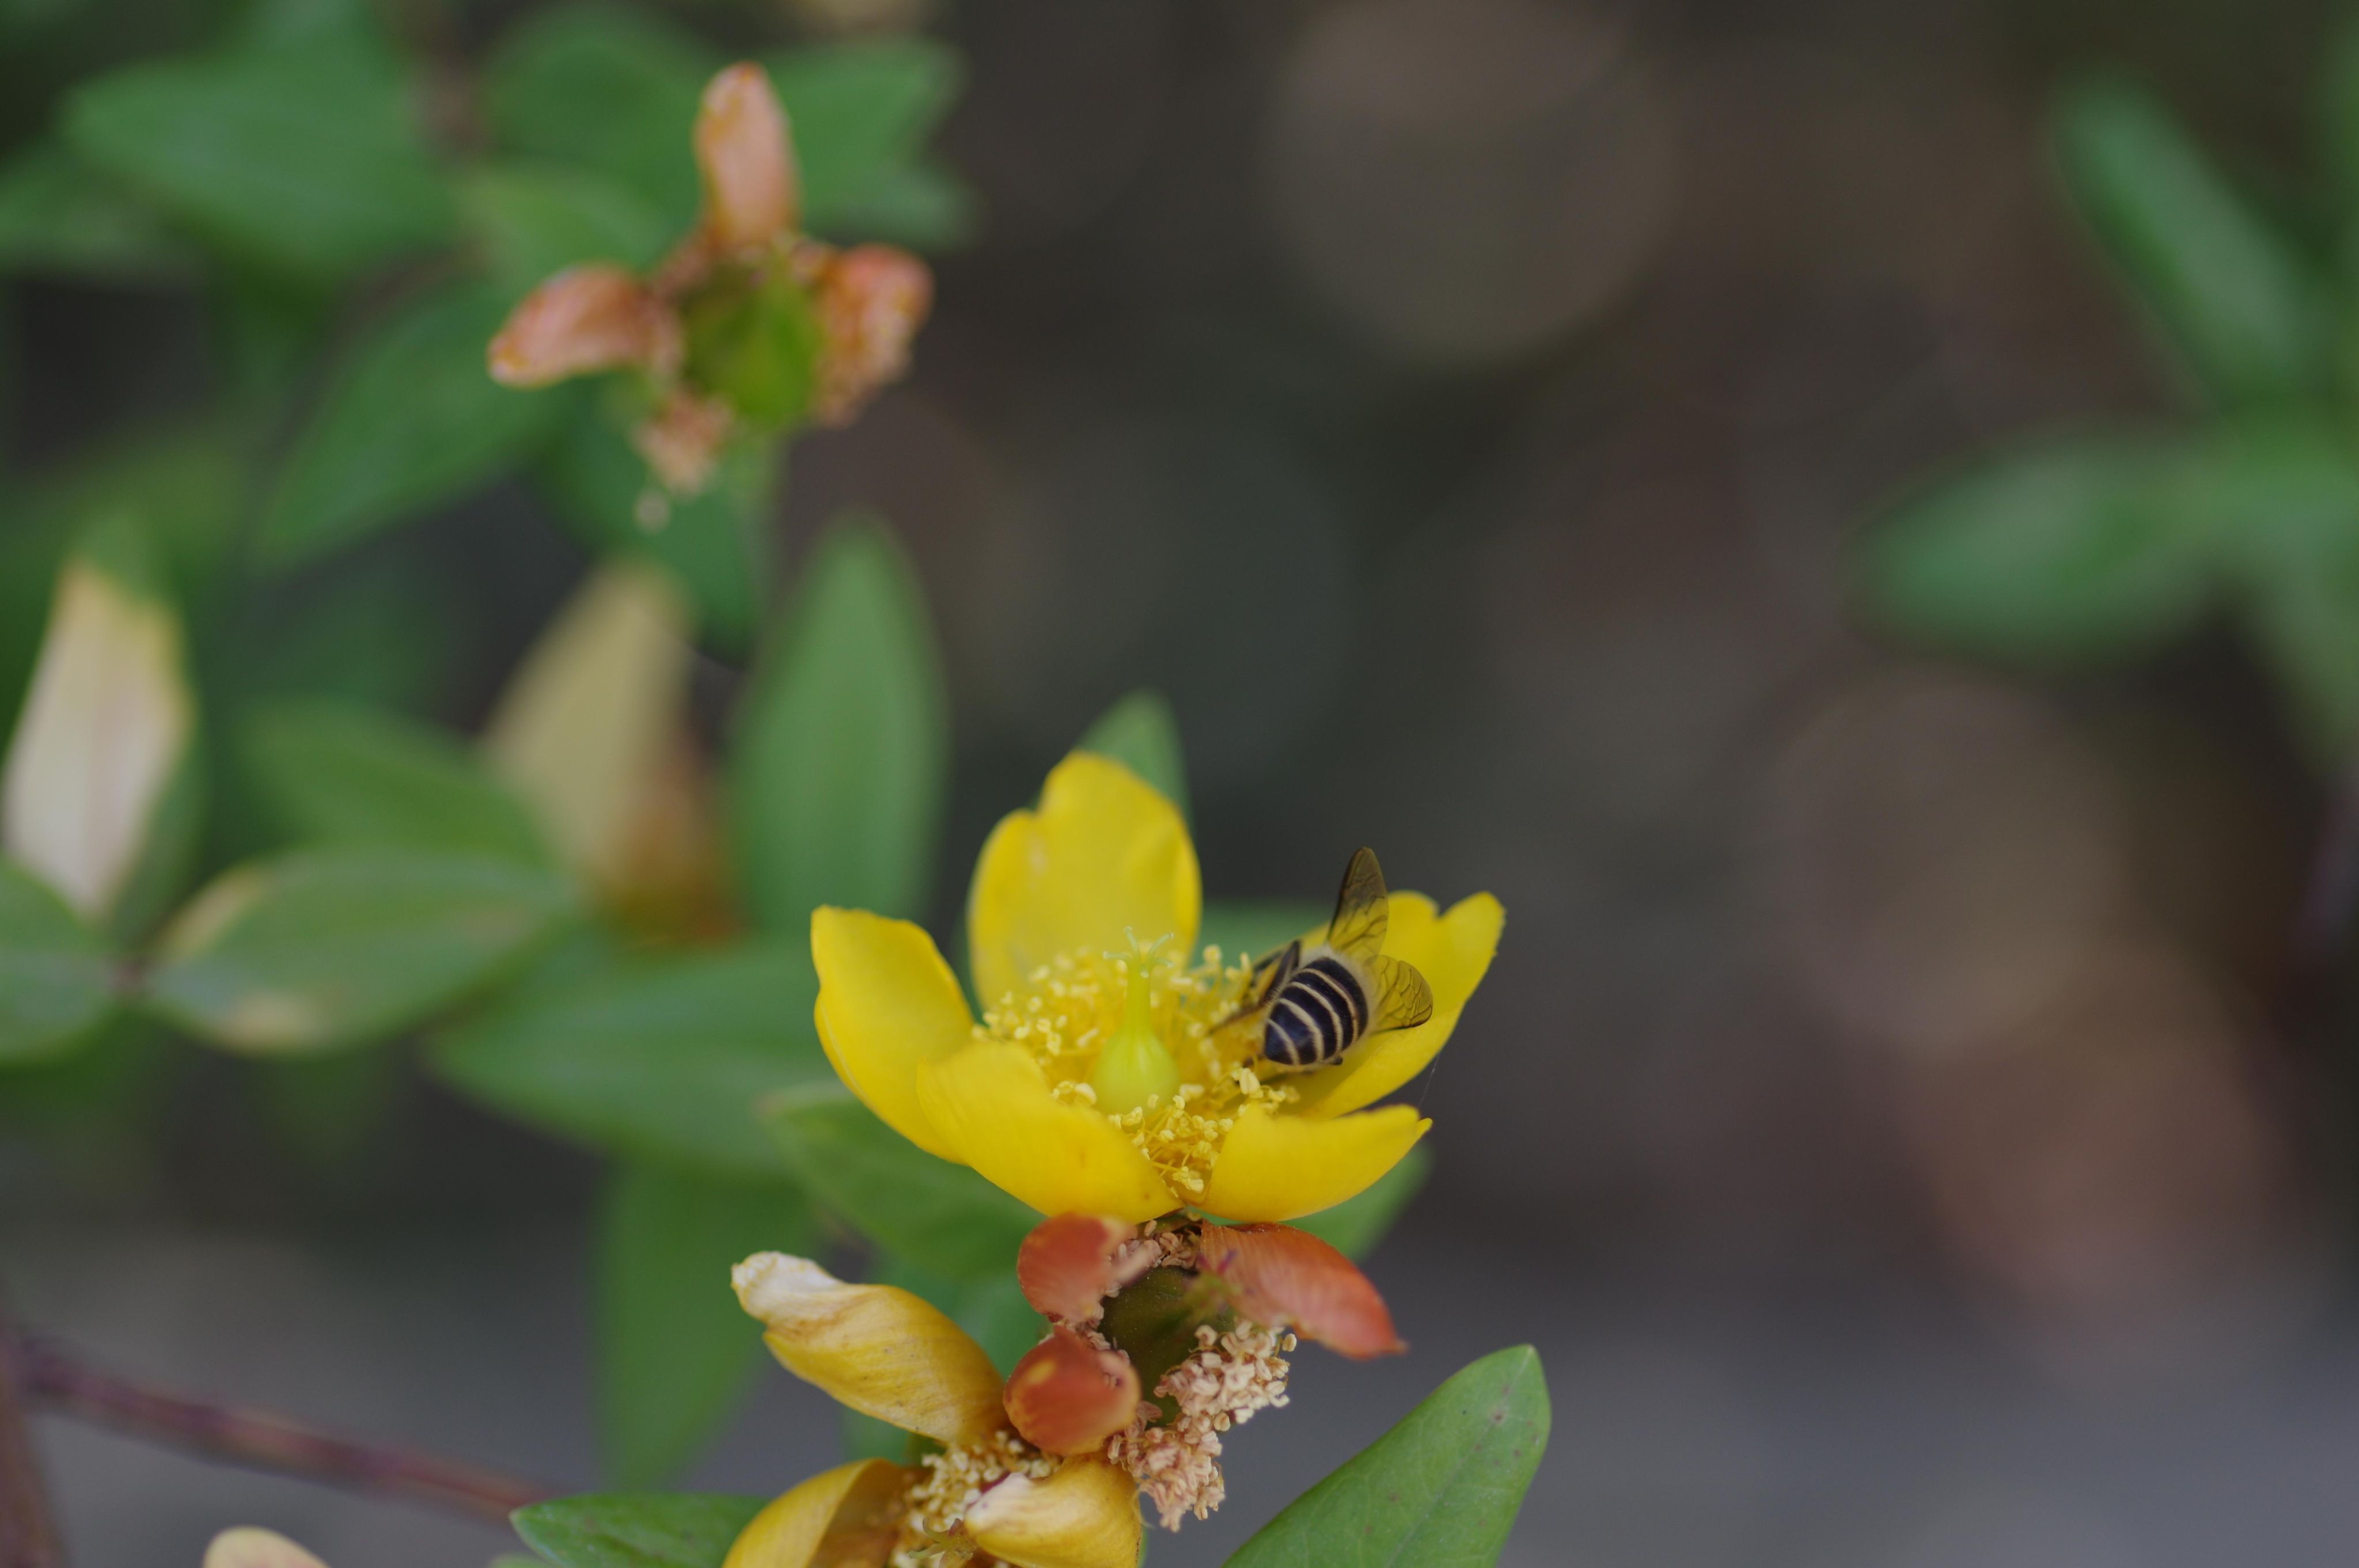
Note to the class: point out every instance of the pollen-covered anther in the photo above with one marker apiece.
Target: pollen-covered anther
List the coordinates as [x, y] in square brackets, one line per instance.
[1230, 1378]
[1068, 1396]
[1287, 1277]
[951, 1482]
[586, 318]
[682, 441]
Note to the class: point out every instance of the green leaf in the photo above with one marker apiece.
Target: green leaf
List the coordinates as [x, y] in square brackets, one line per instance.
[841, 757]
[862, 114]
[340, 772]
[303, 158]
[665, 1061]
[716, 542]
[1355, 1225]
[923, 205]
[60, 215]
[1142, 734]
[637, 1530]
[55, 974]
[674, 1347]
[2074, 553]
[608, 89]
[336, 946]
[534, 218]
[2246, 311]
[1250, 929]
[411, 420]
[1440, 1491]
[941, 1217]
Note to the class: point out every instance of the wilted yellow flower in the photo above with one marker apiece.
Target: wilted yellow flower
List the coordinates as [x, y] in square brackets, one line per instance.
[889, 1354]
[748, 324]
[1081, 918]
[249, 1547]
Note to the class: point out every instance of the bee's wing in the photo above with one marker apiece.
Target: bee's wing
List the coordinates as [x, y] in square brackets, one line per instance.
[1361, 910]
[1403, 998]
[1272, 972]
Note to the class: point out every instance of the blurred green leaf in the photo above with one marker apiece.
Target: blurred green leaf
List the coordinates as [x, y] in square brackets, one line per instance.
[716, 542]
[1142, 734]
[336, 946]
[339, 772]
[923, 205]
[2247, 312]
[674, 1347]
[664, 1062]
[608, 89]
[55, 974]
[1440, 1491]
[941, 1217]
[302, 157]
[2067, 554]
[840, 760]
[534, 218]
[651, 1529]
[1355, 1225]
[412, 419]
[60, 215]
[1252, 929]
[862, 113]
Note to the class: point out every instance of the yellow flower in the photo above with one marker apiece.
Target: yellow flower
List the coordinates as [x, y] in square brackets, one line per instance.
[887, 1353]
[250, 1548]
[1079, 924]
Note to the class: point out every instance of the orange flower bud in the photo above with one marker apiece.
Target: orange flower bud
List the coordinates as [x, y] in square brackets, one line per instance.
[871, 301]
[586, 318]
[1285, 1278]
[1067, 1397]
[753, 193]
[1071, 1262]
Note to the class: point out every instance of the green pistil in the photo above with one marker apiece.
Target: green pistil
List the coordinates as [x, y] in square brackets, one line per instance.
[1135, 1065]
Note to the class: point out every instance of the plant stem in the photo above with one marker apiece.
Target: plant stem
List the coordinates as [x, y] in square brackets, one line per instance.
[28, 1536]
[54, 1379]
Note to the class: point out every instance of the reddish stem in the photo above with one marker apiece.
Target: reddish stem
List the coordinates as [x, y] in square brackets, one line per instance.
[28, 1535]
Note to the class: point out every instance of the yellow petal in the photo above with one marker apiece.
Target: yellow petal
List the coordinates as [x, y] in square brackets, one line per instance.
[251, 1548]
[847, 1518]
[888, 1006]
[1086, 1515]
[992, 1105]
[1105, 855]
[874, 1347]
[105, 724]
[1453, 952]
[585, 730]
[1282, 1167]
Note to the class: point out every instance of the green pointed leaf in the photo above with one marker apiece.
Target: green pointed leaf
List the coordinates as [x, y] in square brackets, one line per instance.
[862, 114]
[941, 1217]
[337, 946]
[664, 1060]
[302, 157]
[675, 1350]
[637, 1530]
[340, 772]
[60, 215]
[1251, 929]
[1440, 1491]
[55, 974]
[536, 219]
[608, 89]
[2074, 553]
[1142, 734]
[840, 758]
[2247, 312]
[411, 420]
[1355, 1225]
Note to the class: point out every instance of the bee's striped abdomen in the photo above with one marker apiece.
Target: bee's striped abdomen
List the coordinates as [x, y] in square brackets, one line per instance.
[1318, 1014]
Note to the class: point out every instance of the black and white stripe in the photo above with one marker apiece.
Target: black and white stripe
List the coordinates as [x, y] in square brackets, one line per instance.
[1320, 1013]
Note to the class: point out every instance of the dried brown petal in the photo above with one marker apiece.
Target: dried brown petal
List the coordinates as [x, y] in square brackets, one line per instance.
[753, 193]
[871, 301]
[586, 318]
[1067, 1397]
[682, 441]
[1071, 1262]
[1285, 1278]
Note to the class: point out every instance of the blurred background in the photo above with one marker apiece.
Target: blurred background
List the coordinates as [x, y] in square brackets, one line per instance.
[1893, 1112]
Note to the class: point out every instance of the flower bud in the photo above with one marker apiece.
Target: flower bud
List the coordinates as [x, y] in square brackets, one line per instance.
[586, 318]
[1285, 1278]
[753, 194]
[871, 300]
[1071, 1262]
[1067, 1397]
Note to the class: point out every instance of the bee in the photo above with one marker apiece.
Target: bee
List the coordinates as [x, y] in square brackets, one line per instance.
[1318, 1003]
